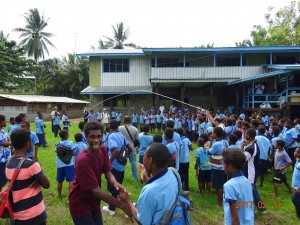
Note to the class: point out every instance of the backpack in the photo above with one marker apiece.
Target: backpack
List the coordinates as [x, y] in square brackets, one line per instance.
[122, 154]
[5, 206]
[64, 153]
[178, 214]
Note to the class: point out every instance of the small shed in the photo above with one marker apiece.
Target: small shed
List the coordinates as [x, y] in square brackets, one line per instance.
[12, 105]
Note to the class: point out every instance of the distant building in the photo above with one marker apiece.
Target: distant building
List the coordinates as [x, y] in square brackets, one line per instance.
[12, 105]
[220, 76]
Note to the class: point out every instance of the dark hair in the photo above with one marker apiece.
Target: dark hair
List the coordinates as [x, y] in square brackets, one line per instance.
[235, 157]
[2, 118]
[205, 137]
[18, 119]
[12, 119]
[113, 124]
[229, 122]
[23, 115]
[157, 138]
[238, 133]
[127, 119]
[78, 137]
[246, 124]
[19, 138]
[81, 125]
[251, 132]
[289, 122]
[233, 138]
[159, 153]
[219, 131]
[261, 130]
[63, 134]
[146, 128]
[255, 123]
[280, 143]
[25, 123]
[170, 124]
[276, 130]
[200, 142]
[180, 131]
[169, 132]
[218, 119]
[93, 125]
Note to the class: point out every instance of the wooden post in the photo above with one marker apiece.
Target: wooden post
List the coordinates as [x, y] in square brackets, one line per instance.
[182, 90]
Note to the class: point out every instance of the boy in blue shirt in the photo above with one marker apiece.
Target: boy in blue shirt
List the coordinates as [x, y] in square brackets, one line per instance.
[11, 124]
[145, 141]
[282, 161]
[238, 198]
[81, 126]
[65, 120]
[55, 122]
[184, 159]
[217, 169]
[40, 129]
[65, 171]
[79, 146]
[173, 148]
[296, 183]
[203, 167]
[34, 141]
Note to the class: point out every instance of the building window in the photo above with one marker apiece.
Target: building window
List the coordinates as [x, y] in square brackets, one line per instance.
[120, 101]
[168, 62]
[116, 65]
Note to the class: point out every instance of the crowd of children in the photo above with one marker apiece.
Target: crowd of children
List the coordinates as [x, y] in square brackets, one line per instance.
[232, 153]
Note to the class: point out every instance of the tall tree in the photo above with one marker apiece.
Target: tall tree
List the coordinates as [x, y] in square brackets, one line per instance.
[118, 41]
[13, 65]
[244, 43]
[283, 27]
[35, 39]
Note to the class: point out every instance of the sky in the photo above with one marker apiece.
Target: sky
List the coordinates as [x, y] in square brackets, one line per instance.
[79, 24]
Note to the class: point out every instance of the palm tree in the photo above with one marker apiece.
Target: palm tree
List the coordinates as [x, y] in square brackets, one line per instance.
[35, 39]
[118, 41]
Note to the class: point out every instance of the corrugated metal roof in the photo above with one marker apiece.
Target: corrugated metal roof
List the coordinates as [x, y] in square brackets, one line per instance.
[42, 99]
[255, 49]
[284, 67]
[113, 52]
[118, 90]
[263, 75]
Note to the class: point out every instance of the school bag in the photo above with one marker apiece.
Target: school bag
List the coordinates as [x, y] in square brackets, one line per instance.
[178, 214]
[5, 206]
[122, 154]
[64, 153]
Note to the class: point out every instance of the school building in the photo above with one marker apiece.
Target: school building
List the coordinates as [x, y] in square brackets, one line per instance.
[199, 76]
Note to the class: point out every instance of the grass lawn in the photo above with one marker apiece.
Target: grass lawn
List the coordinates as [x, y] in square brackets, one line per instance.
[205, 209]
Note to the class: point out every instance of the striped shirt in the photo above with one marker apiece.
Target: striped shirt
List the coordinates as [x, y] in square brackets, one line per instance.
[28, 204]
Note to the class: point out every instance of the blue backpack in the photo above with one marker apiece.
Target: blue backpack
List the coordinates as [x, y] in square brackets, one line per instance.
[178, 214]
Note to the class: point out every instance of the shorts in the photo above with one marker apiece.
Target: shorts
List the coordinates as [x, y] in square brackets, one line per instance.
[158, 125]
[152, 125]
[93, 218]
[279, 177]
[263, 166]
[204, 176]
[67, 172]
[3, 178]
[217, 178]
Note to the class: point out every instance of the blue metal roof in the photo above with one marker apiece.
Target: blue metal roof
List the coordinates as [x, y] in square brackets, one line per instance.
[142, 52]
[113, 52]
[263, 75]
[284, 67]
[256, 49]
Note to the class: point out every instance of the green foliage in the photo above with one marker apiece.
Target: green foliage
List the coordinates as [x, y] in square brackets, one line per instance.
[13, 66]
[66, 77]
[283, 28]
[120, 36]
[35, 39]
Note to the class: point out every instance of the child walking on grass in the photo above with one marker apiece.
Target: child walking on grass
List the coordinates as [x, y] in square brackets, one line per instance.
[281, 162]
[203, 167]
[65, 171]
